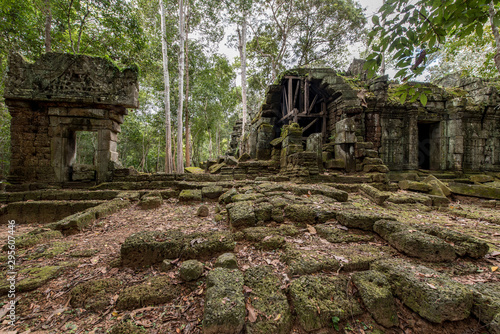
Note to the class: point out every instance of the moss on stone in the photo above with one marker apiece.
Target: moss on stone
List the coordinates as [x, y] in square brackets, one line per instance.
[94, 295]
[84, 253]
[434, 296]
[225, 198]
[37, 236]
[211, 192]
[52, 250]
[375, 292]
[157, 290]
[33, 278]
[224, 311]
[271, 242]
[318, 299]
[241, 215]
[269, 301]
[360, 220]
[302, 262]
[190, 195]
[334, 234]
[227, 260]
[151, 200]
[301, 213]
[190, 270]
[207, 244]
[487, 303]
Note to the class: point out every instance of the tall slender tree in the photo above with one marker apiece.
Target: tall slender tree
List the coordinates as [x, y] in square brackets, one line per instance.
[180, 156]
[48, 25]
[242, 48]
[169, 162]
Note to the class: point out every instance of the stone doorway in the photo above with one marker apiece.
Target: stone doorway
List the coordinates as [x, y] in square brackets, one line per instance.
[428, 146]
[84, 165]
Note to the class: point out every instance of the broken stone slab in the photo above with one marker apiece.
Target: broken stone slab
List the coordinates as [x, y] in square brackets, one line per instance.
[363, 220]
[244, 157]
[216, 168]
[375, 168]
[415, 186]
[375, 291]
[335, 164]
[246, 197]
[190, 195]
[94, 295]
[269, 302]
[410, 198]
[463, 244]
[474, 190]
[434, 296]
[409, 240]
[211, 192]
[241, 215]
[35, 237]
[302, 262]
[436, 183]
[194, 170]
[231, 161]
[377, 196]
[301, 213]
[155, 291]
[33, 278]
[439, 200]
[317, 300]
[331, 192]
[224, 311]
[487, 305]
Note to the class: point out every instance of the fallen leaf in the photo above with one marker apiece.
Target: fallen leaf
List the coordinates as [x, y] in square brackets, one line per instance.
[252, 315]
[247, 289]
[494, 254]
[278, 317]
[311, 229]
[494, 268]
[431, 286]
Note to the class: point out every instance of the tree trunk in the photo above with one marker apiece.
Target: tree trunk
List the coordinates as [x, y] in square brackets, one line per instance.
[48, 26]
[242, 48]
[188, 144]
[217, 140]
[169, 161]
[180, 158]
[496, 34]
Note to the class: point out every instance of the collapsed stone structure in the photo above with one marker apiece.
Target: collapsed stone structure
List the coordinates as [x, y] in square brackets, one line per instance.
[349, 123]
[54, 98]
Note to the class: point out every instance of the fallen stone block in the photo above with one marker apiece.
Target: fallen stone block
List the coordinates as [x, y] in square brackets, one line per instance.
[151, 200]
[241, 215]
[363, 221]
[377, 196]
[224, 311]
[375, 291]
[190, 270]
[414, 186]
[340, 234]
[375, 168]
[269, 302]
[301, 213]
[302, 262]
[225, 198]
[33, 278]
[155, 291]
[432, 295]
[487, 305]
[95, 295]
[475, 190]
[211, 192]
[227, 260]
[317, 300]
[439, 200]
[435, 182]
[190, 195]
[481, 178]
[194, 170]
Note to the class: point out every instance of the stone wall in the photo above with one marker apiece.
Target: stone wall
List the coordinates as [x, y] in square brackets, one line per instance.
[53, 98]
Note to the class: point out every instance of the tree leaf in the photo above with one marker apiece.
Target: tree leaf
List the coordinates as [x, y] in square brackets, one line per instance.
[375, 20]
[252, 314]
[423, 99]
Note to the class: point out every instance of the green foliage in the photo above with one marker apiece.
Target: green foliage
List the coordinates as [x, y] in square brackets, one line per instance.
[410, 32]
[335, 322]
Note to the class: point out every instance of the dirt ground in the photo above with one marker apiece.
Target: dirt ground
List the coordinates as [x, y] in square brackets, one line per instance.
[47, 309]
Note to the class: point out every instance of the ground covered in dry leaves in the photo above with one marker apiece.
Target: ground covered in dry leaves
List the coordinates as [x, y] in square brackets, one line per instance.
[93, 255]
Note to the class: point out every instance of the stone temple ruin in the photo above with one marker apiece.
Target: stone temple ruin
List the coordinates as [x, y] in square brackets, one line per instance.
[53, 99]
[346, 210]
[359, 125]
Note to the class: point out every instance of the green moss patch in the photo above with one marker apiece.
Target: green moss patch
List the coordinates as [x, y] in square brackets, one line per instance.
[35, 237]
[127, 327]
[94, 295]
[487, 304]
[335, 234]
[31, 278]
[155, 291]
[361, 220]
[302, 262]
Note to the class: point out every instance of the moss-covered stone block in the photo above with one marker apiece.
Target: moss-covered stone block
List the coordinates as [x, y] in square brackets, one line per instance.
[224, 311]
[487, 305]
[207, 244]
[225, 198]
[211, 192]
[474, 190]
[241, 215]
[151, 200]
[190, 195]
[246, 197]
[375, 291]
[94, 295]
[271, 242]
[434, 296]
[269, 301]
[317, 299]
[301, 213]
[33, 278]
[194, 170]
[35, 237]
[227, 260]
[361, 220]
[157, 290]
[303, 262]
[421, 245]
[263, 211]
[147, 248]
[190, 270]
[415, 186]
[377, 196]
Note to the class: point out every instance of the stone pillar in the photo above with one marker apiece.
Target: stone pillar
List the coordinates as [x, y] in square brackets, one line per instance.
[265, 134]
[345, 139]
[292, 142]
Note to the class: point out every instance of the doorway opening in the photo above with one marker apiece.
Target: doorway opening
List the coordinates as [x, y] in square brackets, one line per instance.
[428, 146]
[84, 164]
